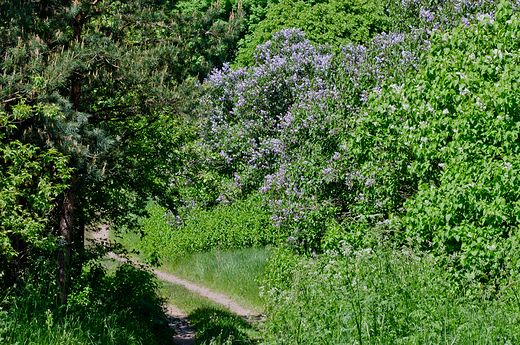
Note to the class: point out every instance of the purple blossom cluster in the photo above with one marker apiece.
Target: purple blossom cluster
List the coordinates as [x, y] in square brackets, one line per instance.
[283, 126]
[264, 121]
[428, 16]
[279, 126]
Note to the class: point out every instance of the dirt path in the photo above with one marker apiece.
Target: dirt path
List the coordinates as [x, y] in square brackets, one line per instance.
[185, 333]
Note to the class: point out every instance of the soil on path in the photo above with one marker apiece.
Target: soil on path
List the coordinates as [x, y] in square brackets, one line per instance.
[184, 333]
[183, 328]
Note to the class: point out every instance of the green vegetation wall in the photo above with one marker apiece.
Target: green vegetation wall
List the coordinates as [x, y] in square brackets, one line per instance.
[450, 138]
[334, 22]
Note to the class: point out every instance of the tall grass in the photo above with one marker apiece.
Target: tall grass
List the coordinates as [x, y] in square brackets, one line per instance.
[27, 323]
[117, 308]
[383, 296]
[236, 272]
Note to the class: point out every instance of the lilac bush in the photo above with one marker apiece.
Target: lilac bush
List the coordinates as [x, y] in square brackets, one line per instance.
[279, 126]
[432, 16]
[285, 126]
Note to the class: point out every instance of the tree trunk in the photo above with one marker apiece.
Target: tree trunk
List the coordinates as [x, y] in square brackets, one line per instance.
[67, 211]
[66, 229]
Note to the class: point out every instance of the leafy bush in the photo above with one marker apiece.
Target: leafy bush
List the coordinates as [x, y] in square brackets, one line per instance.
[30, 181]
[340, 22]
[118, 308]
[450, 137]
[336, 22]
[285, 126]
[383, 296]
[276, 127]
[245, 223]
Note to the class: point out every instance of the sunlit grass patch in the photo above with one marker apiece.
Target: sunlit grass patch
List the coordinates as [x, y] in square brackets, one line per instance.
[235, 272]
[184, 299]
[215, 326]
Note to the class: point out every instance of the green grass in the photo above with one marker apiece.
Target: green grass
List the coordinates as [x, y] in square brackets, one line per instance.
[46, 327]
[236, 272]
[383, 296]
[120, 307]
[184, 299]
[216, 326]
[213, 323]
[223, 248]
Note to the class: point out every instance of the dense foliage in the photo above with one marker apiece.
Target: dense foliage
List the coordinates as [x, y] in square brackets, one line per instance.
[283, 126]
[437, 152]
[106, 85]
[376, 142]
[167, 238]
[93, 100]
[30, 180]
[334, 22]
[449, 136]
[120, 307]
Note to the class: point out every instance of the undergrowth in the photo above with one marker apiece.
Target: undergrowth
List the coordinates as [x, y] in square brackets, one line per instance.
[243, 224]
[226, 266]
[121, 307]
[383, 296]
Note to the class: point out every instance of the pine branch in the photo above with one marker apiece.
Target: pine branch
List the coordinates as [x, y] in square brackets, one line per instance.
[10, 100]
[157, 40]
[114, 108]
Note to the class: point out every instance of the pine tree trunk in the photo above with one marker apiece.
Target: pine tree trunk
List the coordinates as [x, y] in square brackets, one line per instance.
[67, 215]
[66, 229]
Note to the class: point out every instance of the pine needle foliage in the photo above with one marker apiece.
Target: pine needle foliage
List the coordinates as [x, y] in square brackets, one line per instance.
[119, 76]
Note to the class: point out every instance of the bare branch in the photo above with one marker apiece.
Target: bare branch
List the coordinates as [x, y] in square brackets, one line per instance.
[9, 100]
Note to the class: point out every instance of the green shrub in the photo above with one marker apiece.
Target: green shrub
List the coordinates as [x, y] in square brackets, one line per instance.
[447, 143]
[244, 223]
[336, 22]
[117, 308]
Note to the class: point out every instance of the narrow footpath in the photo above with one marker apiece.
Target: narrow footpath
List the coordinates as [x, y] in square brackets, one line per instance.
[184, 332]
[179, 320]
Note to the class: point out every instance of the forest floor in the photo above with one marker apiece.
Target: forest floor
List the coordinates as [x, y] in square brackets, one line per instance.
[185, 334]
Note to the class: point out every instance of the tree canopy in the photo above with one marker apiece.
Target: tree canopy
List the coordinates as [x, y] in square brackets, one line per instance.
[103, 85]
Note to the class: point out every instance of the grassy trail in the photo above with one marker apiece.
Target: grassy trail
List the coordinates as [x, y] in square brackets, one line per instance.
[199, 314]
[216, 297]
